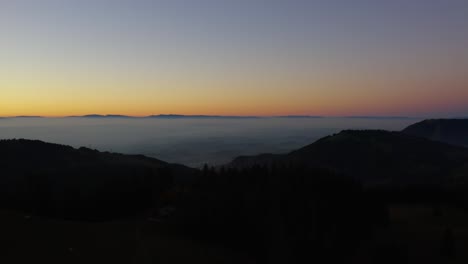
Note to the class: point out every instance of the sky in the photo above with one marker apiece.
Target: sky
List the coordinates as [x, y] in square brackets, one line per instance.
[234, 57]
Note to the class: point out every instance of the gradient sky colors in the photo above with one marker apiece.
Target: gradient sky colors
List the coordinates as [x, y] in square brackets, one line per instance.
[239, 57]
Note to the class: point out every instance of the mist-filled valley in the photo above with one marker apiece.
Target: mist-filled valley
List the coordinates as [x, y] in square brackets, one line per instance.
[190, 141]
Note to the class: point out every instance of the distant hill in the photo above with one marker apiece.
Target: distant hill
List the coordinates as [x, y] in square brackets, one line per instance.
[172, 116]
[452, 131]
[3, 117]
[299, 116]
[59, 180]
[378, 117]
[162, 116]
[103, 116]
[27, 117]
[377, 158]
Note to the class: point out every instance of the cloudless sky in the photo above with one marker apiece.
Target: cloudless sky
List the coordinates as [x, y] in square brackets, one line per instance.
[239, 57]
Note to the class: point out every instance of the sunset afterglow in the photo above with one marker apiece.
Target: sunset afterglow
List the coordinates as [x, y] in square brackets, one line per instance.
[333, 58]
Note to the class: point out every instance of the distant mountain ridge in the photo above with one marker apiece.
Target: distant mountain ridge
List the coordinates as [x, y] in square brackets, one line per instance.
[4, 117]
[379, 117]
[101, 116]
[176, 116]
[451, 131]
[162, 116]
[299, 116]
[199, 116]
[28, 117]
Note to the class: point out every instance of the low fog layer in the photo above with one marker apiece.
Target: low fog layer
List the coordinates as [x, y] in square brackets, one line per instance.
[188, 141]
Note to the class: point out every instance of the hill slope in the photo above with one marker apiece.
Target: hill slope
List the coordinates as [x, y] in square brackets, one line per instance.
[376, 157]
[59, 180]
[452, 131]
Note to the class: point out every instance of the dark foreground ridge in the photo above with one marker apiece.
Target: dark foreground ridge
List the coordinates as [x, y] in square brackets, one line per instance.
[56, 180]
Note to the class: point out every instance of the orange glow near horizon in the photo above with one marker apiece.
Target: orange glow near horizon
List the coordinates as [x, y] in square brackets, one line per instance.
[139, 58]
[55, 97]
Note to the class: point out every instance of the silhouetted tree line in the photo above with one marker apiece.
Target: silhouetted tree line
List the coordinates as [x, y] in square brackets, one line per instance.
[280, 214]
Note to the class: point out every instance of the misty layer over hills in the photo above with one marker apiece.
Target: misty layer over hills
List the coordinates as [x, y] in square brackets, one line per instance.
[189, 141]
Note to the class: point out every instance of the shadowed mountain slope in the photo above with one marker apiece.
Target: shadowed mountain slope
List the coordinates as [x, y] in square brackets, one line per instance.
[377, 157]
[452, 131]
[59, 180]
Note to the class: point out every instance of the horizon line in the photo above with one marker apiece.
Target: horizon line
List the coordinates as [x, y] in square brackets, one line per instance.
[221, 116]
